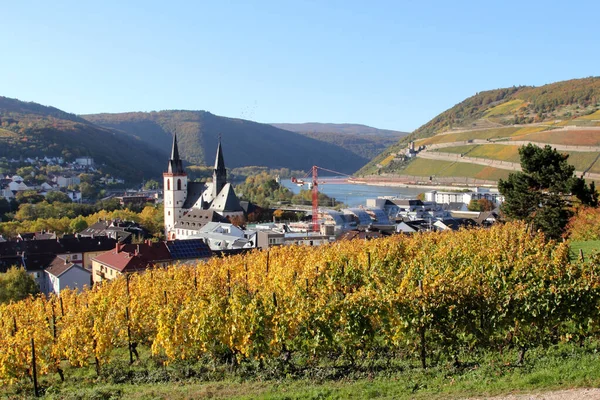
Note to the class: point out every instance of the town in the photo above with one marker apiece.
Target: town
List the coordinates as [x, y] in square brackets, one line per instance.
[198, 225]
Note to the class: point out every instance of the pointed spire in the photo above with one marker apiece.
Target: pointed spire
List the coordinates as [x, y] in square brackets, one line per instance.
[175, 150]
[175, 165]
[219, 173]
[219, 161]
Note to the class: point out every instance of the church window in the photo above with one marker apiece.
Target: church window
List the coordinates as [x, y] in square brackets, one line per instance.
[169, 213]
[168, 184]
[178, 184]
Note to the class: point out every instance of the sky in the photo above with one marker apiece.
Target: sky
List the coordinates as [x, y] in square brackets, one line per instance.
[388, 64]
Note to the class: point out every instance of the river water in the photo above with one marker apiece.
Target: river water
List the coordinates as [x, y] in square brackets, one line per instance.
[356, 194]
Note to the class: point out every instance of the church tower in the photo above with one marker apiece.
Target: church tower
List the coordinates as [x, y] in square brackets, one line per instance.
[219, 173]
[175, 190]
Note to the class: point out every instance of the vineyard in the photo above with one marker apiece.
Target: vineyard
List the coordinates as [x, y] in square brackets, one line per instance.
[416, 297]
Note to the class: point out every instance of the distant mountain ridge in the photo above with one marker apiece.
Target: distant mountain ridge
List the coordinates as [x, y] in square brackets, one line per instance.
[245, 142]
[352, 129]
[364, 141]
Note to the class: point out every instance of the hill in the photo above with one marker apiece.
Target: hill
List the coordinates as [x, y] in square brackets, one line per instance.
[479, 137]
[245, 142]
[362, 140]
[32, 130]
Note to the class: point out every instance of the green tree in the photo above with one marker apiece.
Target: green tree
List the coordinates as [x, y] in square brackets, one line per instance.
[543, 192]
[151, 185]
[57, 196]
[16, 284]
[88, 191]
[78, 224]
[29, 196]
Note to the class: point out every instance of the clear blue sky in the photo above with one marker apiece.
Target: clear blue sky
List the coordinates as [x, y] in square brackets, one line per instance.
[389, 64]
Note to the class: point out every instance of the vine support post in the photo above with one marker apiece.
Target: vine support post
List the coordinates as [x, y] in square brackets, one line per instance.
[34, 369]
[422, 332]
[129, 336]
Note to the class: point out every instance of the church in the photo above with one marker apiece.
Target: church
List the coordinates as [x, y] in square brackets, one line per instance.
[183, 198]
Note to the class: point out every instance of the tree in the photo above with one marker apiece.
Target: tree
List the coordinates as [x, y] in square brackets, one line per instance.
[480, 205]
[78, 224]
[29, 196]
[57, 196]
[151, 185]
[88, 191]
[16, 284]
[542, 194]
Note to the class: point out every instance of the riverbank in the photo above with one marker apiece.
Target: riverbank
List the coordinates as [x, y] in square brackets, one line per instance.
[413, 185]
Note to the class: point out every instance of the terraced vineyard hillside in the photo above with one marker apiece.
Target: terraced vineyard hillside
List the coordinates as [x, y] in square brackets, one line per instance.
[477, 140]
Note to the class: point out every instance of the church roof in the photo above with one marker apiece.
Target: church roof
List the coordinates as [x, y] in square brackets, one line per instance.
[226, 200]
[194, 192]
[196, 218]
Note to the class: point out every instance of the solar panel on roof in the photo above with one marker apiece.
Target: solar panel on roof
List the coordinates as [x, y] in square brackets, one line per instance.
[193, 248]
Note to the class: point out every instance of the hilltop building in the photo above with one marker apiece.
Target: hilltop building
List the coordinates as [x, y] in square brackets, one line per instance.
[181, 196]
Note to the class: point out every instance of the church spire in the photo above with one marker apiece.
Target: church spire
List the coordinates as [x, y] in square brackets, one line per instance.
[219, 173]
[175, 165]
[219, 161]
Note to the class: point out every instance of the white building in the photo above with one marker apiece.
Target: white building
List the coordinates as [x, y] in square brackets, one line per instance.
[63, 274]
[84, 161]
[222, 236]
[465, 197]
[66, 181]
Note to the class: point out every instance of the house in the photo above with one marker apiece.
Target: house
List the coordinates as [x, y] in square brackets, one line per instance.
[84, 161]
[131, 258]
[223, 236]
[453, 224]
[487, 218]
[66, 181]
[267, 238]
[79, 249]
[62, 274]
[181, 196]
[128, 258]
[117, 229]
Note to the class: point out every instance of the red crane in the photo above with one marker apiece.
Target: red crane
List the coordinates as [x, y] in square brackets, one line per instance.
[315, 192]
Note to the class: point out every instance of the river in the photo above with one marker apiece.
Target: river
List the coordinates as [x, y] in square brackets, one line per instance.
[356, 194]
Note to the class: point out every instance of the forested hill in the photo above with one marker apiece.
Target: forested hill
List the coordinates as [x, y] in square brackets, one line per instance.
[31, 130]
[561, 113]
[362, 140]
[244, 142]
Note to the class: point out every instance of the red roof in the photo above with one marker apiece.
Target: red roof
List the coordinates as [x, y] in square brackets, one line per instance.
[134, 257]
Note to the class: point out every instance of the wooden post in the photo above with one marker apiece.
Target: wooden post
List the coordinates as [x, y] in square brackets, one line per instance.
[195, 282]
[369, 259]
[62, 310]
[34, 369]
[96, 361]
[129, 336]
[228, 283]
[422, 333]
[267, 263]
